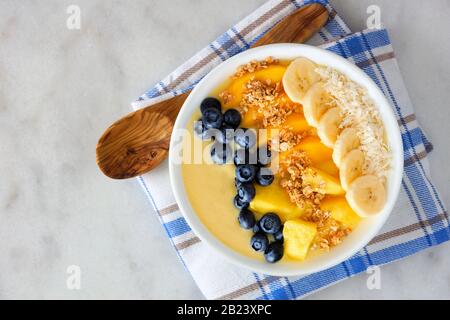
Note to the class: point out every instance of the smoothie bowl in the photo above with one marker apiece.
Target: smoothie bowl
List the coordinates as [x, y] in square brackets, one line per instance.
[286, 159]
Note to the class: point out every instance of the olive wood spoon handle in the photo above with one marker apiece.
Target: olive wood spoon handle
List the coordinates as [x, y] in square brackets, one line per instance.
[138, 142]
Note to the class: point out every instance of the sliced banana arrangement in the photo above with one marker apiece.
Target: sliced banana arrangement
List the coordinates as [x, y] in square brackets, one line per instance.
[365, 193]
[328, 128]
[351, 168]
[315, 103]
[300, 75]
[347, 141]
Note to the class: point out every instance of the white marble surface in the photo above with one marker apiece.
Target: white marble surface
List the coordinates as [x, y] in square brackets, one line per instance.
[59, 89]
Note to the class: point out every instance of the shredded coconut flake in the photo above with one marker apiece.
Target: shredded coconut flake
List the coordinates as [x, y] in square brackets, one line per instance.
[359, 112]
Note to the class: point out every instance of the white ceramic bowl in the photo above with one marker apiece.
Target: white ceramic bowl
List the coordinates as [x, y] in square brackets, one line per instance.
[368, 227]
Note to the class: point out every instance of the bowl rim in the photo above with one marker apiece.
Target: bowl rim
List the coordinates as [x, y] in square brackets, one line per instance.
[389, 122]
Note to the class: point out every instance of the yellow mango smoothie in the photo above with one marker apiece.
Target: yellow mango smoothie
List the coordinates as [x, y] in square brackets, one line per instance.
[315, 179]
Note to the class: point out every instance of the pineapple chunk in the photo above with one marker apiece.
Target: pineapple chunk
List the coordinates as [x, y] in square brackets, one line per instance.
[274, 198]
[341, 211]
[298, 236]
[319, 179]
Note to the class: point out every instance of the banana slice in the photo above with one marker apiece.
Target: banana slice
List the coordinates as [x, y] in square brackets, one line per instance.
[315, 103]
[366, 195]
[328, 127]
[351, 167]
[298, 78]
[346, 142]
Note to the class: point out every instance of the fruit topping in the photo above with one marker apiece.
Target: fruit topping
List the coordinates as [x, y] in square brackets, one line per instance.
[245, 172]
[298, 236]
[278, 236]
[341, 211]
[366, 195]
[274, 198]
[199, 128]
[351, 167]
[259, 242]
[298, 78]
[316, 102]
[246, 219]
[232, 117]
[264, 156]
[274, 252]
[212, 118]
[264, 177]
[270, 223]
[346, 142]
[209, 103]
[256, 227]
[221, 153]
[328, 128]
[244, 156]
[239, 204]
[245, 138]
[225, 134]
[246, 191]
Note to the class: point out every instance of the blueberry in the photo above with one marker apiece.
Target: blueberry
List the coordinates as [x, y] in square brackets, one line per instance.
[237, 183]
[246, 191]
[274, 252]
[225, 134]
[201, 131]
[278, 236]
[220, 153]
[246, 219]
[244, 156]
[270, 223]
[239, 204]
[245, 138]
[232, 117]
[199, 127]
[210, 103]
[212, 118]
[245, 172]
[209, 134]
[259, 242]
[264, 177]
[256, 227]
[264, 156]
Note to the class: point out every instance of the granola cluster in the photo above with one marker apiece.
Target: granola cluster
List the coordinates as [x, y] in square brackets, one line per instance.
[263, 96]
[226, 96]
[330, 233]
[287, 139]
[253, 66]
[293, 170]
[269, 100]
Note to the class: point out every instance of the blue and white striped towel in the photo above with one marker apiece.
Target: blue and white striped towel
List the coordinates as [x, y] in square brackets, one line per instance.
[419, 219]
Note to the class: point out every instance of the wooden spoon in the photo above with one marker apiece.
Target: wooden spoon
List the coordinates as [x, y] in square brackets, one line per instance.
[139, 142]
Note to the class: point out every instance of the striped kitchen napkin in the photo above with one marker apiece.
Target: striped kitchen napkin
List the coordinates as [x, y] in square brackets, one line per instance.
[419, 219]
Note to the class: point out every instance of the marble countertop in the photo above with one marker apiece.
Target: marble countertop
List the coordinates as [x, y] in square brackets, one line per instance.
[60, 88]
